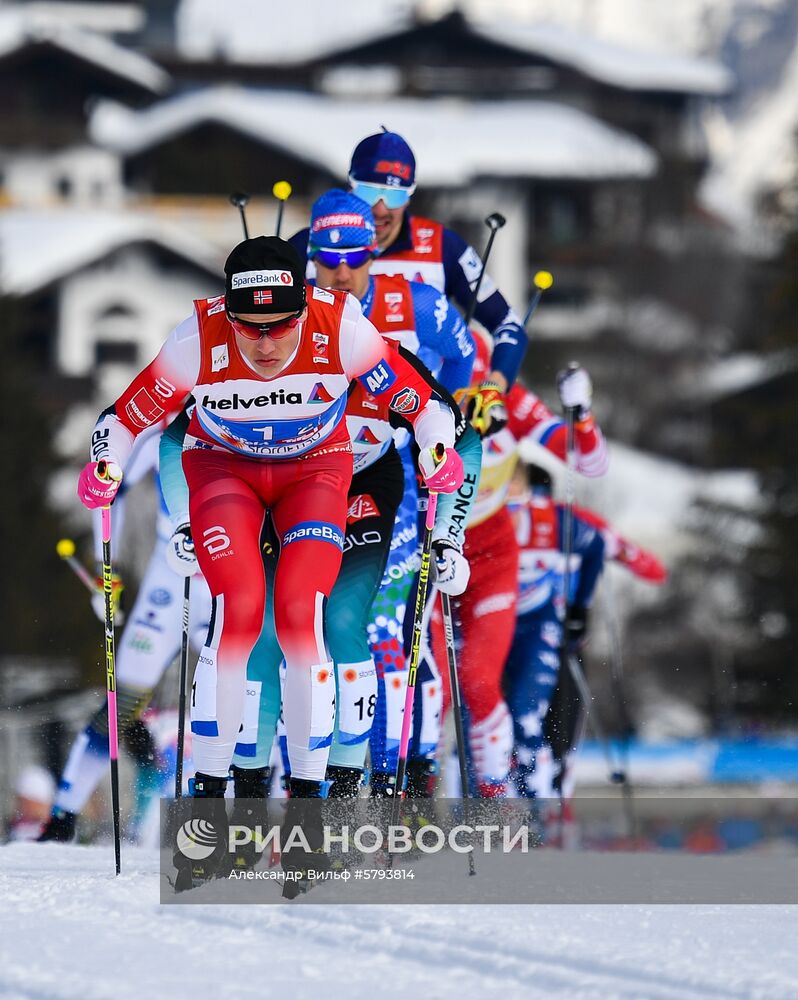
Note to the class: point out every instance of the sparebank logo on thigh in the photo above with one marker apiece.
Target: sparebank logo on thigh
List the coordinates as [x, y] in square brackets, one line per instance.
[263, 279]
[315, 531]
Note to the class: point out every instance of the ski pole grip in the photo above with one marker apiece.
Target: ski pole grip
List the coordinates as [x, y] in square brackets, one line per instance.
[107, 471]
[432, 506]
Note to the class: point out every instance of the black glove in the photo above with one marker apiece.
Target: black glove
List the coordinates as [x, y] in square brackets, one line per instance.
[576, 627]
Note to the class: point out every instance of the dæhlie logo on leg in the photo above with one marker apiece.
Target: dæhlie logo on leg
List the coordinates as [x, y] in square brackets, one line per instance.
[215, 539]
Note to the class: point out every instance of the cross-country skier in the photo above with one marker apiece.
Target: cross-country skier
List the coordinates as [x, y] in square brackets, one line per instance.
[533, 664]
[486, 612]
[268, 434]
[149, 643]
[546, 622]
[417, 316]
[383, 173]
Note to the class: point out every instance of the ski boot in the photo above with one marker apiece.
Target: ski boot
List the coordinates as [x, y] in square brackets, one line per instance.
[383, 790]
[141, 746]
[383, 785]
[418, 809]
[422, 775]
[344, 809]
[249, 784]
[60, 827]
[193, 871]
[304, 813]
[346, 781]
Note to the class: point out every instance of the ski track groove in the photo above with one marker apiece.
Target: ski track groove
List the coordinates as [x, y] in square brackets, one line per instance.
[77, 928]
[534, 973]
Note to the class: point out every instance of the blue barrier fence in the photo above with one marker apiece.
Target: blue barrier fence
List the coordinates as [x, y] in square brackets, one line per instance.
[699, 761]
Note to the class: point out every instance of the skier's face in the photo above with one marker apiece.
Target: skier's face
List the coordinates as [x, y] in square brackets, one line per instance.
[269, 355]
[517, 494]
[344, 278]
[388, 222]
[388, 204]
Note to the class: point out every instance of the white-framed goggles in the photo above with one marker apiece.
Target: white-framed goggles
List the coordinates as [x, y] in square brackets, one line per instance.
[394, 197]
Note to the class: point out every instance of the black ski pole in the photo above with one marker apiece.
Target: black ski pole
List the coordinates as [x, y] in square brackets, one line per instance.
[543, 280]
[457, 711]
[181, 708]
[568, 514]
[494, 222]
[617, 775]
[412, 669]
[240, 201]
[575, 668]
[415, 652]
[108, 472]
[619, 689]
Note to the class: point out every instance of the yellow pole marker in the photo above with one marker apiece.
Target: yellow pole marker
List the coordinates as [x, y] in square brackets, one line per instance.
[542, 281]
[282, 192]
[65, 548]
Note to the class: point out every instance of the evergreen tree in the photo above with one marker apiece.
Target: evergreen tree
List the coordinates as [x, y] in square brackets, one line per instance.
[776, 461]
[758, 429]
[44, 611]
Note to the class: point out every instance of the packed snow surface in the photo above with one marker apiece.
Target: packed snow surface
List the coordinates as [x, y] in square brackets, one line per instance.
[70, 930]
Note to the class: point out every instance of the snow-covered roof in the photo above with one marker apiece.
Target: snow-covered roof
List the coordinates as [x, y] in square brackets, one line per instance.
[618, 65]
[114, 17]
[20, 27]
[454, 141]
[738, 374]
[38, 247]
[247, 31]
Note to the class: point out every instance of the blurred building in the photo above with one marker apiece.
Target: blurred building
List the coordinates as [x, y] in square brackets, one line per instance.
[99, 288]
[588, 149]
[129, 124]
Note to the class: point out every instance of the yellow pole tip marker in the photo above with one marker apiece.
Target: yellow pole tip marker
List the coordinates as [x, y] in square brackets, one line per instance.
[65, 548]
[282, 190]
[543, 280]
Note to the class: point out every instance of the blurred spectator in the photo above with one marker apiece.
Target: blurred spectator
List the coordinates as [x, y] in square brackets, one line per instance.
[703, 838]
[33, 800]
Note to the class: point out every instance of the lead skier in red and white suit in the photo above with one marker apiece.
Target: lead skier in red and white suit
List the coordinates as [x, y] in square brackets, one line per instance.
[269, 366]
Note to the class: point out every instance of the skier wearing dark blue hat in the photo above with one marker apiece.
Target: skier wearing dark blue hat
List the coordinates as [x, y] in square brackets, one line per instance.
[383, 174]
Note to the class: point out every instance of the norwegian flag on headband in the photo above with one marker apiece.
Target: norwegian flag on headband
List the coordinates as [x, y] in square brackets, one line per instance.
[262, 298]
